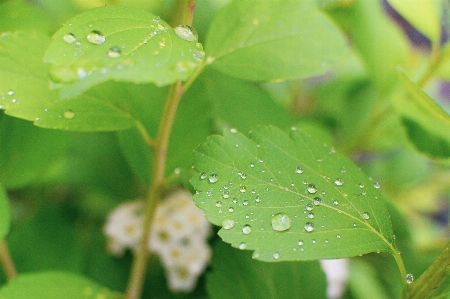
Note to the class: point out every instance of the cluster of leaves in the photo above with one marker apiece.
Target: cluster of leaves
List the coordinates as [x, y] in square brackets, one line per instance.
[81, 105]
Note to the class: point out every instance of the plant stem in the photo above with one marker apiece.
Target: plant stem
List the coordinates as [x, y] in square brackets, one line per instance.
[6, 261]
[160, 146]
[432, 278]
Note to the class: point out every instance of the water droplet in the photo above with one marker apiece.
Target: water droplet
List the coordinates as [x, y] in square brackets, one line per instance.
[231, 210]
[235, 200]
[338, 236]
[309, 227]
[209, 193]
[96, 37]
[409, 278]
[335, 202]
[198, 55]
[226, 194]
[311, 188]
[69, 38]
[114, 52]
[242, 189]
[365, 215]
[339, 182]
[361, 185]
[313, 241]
[10, 92]
[213, 177]
[186, 32]
[332, 150]
[276, 256]
[343, 170]
[228, 223]
[243, 176]
[317, 201]
[258, 199]
[242, 246]
[300, 243]
[203, 175]
[376, 185]
[310, 215]
[219, 204]
[309, 206]
[281, 222]
[247, 229]
[245, 202]
[156, 19]
[68, 114]
[252, 165]
[299, 170]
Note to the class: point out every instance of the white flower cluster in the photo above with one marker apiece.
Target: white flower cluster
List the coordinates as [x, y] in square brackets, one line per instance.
[178, 235]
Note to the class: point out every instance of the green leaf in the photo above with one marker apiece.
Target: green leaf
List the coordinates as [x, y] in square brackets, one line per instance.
[121, 44]
[235, 275]
[273, 40]
[424, 15]
[289, 198]
[21, 15]
[4, 213]
[427, 124]
[27, 151]
[45, 285]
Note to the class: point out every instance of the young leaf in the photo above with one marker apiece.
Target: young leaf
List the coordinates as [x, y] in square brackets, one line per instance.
[289, 197]
[287, 280]
[268, 40]
[426, 123]
[44, 285]
[4, 212]
[123, 44]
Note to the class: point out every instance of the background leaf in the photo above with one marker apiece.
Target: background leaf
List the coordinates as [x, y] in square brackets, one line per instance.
[4, 213]
[268, 40]
[21, 15]
[46, 285]
[119, 43]
[257, 279]
[289, 198]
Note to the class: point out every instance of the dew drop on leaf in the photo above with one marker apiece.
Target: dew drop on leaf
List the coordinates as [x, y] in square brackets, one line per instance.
[96, 37]
[231, 210]
[156, 19]
[186, 32]
[276, 256]
[68, 114]
[409, 278]
[335, 202]
[309, 226]
[376, 185]
[228, 223]
[226, 194]
[365, 215]
[310, 215]
[213, 177]
[309, 207]
[311, 188]
[10, 92]
[281, 222]
[300, 243]
[203, 175]
[258, 199]
[317, 201]
[219, 204]
[114, 52]
[247, 229]
[299, 170]
[69, 38]
[198, 55]
[343, 170]
[339, 182]
[242, 189]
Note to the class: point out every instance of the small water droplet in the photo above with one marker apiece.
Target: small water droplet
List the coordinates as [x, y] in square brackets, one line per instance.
[69, 38]
[252, 165]
[335, 202]
[226, 194]
[332, 150]
[309, 206]
[300, 243]
[317, 201]
[258, 199]
[311, 188]
[96, 37]
[281, 222]
[203, 175]
[339, 182]
[409, 278]
[245, 202]
[313, 241]
[198, 55]
[310, 215]
[156, 19]
[247, 229]
[243, 189]
[276, 256]
[361, 185]
[235, 200]
[376, 185]
[343, 170]
[365, 215]
[209, 193]
[10, 92]
[186, 32]
[244, 176]
[242, 246]
[213, 177]
[309, 227]
[299, 170]
[68, 114]
[231, 210]
[338, 236]
[219, 204]
[114, 52]
[228, 223]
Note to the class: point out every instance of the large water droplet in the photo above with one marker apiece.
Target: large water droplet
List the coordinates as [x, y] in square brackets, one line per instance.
[281, 222]
[69, 38]
[339, 182]
[276, 256]
[409, 278]
[96, 37]
[247, 229]
[228, 223]
[311, 188]
[365, 215]
[186, 33]
[213, 177]
[114, 52]
[309, 227]
[68, 114]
